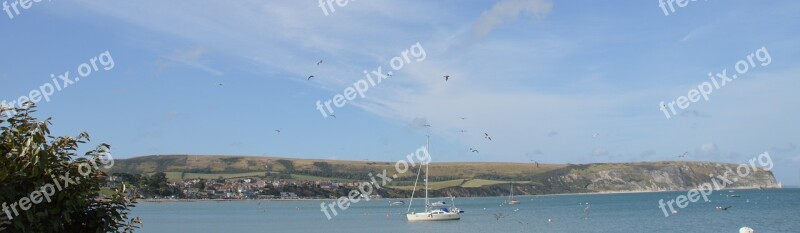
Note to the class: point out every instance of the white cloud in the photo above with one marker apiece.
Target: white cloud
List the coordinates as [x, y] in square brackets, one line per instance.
[191, 57]
[508, 10]
[418, 123]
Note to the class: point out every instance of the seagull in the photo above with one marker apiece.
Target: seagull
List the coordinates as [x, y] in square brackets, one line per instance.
[473, 150]
[319, 62]
[446, 77]
[389, 74]
[334, 116]
[278, 130]
[462, 131]
[683, 155]
[487, 136]
[309, 77]
[426, 125]
[220, 84]
[463, 118]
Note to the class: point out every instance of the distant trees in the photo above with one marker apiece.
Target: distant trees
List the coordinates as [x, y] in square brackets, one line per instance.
[288, 165]
[156, 184]
[201, 185]
[325, 168]
[127, 178]
[49, 186]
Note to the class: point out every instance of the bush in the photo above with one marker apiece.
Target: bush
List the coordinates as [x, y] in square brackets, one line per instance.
[33, 164]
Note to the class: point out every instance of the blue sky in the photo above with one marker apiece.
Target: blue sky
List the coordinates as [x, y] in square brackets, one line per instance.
[551, 81]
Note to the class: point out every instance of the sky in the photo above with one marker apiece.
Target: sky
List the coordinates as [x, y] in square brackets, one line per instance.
[548, 81]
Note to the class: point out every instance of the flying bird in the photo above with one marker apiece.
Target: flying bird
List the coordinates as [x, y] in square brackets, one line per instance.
[426, 125]
[473, 150]
[334, 116]
[319, 62]
[463, 118]
[462, 131]
[683, 155]
[220, 84]
[278, 130]
[446, 77]
[309, 77]
[487, 136]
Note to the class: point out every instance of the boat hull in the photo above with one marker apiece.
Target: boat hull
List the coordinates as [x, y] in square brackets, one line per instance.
[432, 217]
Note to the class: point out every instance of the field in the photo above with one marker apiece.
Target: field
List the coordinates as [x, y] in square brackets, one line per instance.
[464, 183]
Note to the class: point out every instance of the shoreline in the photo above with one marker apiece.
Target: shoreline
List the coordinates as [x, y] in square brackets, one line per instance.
[334, 199]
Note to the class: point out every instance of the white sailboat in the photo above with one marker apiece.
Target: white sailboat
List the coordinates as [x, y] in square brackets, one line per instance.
[511, 200]
[430, 214]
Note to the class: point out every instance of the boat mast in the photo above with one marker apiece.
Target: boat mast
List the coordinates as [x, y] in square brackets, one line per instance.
[427, 147]
[512, 192]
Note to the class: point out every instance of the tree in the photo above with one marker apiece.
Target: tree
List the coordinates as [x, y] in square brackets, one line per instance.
[46, 186]
[288, 165]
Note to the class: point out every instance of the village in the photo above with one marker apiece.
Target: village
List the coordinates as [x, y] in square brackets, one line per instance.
[157, 187]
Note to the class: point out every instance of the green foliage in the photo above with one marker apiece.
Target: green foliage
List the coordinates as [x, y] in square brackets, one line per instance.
[128, 178]
[288, 165]
[324, 167]
[156, 184]
[30, 158]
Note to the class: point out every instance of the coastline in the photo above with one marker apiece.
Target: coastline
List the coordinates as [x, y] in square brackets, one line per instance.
[333, 199]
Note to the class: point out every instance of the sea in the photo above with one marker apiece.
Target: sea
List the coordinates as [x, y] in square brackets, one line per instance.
[772, 210]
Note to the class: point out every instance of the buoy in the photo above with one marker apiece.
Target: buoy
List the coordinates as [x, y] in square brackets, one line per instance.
[674, 212]
[746, 230]
[549, 220]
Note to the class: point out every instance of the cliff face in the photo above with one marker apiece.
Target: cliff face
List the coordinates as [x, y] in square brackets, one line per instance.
[629, 177]
[668, 177]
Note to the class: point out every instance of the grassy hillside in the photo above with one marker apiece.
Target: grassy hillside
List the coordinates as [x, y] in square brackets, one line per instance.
[231, 166]
[458, 179]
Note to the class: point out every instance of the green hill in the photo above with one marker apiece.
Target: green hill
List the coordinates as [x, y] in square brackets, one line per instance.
[454, 178]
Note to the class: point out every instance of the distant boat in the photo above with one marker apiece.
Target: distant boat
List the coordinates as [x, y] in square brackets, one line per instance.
[396, 203]
[439, 204]
[511, 200]
[430, 214]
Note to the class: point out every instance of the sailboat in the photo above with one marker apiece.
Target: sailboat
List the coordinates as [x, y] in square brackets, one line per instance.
[430, 214]
[511, 200]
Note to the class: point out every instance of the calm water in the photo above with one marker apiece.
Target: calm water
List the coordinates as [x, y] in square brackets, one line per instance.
[766, 211]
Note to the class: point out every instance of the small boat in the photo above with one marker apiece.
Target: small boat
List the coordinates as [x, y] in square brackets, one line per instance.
[511, 200]
[430, 214]
[396, 203]
[439, 204]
